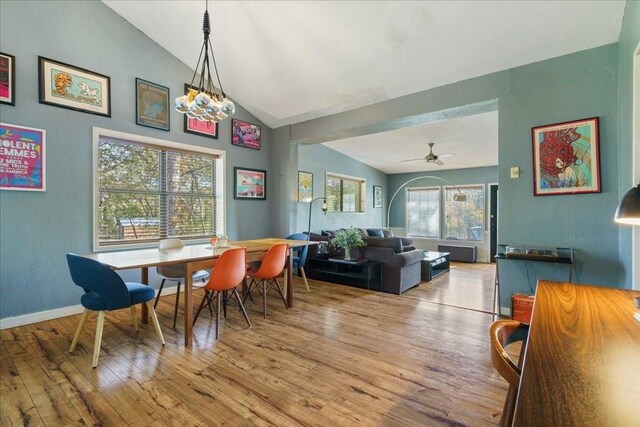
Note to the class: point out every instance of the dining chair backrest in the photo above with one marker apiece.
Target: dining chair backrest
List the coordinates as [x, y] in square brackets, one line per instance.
[302, 250]
[170, 244]
[501, 334]
[229, 270]
[93, 276]
[171, 271]
[273, 262]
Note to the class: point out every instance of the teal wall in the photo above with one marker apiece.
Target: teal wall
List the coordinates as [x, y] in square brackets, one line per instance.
[319, 159]
[37, 229]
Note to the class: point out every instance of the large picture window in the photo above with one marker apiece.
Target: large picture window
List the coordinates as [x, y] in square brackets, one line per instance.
[344, 193]
[147, 190]
[464, 220]
[423, 212]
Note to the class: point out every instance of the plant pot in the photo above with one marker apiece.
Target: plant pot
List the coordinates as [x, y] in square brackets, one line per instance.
[347, 254]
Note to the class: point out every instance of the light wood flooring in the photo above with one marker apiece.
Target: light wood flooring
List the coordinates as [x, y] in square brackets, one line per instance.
[340, 357]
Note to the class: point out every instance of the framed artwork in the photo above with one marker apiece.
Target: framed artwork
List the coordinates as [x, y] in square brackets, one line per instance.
[305, 186]
[566, 158]
[7, 79]
[245, 134]
[22, 159]
[199, 127]
[250, 184]
[152, 105]
[377, 196]
[67, 86]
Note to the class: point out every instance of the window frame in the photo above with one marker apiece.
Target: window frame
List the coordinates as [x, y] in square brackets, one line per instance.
[220, 180]
[363, 191]
[484, 210]
[406, 203]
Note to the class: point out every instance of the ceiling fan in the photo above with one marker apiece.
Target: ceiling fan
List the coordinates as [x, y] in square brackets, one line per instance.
[431, 158]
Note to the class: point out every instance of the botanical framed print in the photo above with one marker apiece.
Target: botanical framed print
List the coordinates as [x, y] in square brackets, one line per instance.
[566, 158]
[305, 186]
[377, 196]
[250, 184]
[22, 159]
[199, 127]
[72, 87]
[152, 105]
[7, 79]
[245, 134]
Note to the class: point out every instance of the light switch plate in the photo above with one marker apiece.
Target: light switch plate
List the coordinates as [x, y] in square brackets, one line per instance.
[515, 172]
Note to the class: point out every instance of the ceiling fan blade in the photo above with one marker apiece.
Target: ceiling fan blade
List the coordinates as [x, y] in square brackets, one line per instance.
[439, 162]
[446, 155]
[411, 160]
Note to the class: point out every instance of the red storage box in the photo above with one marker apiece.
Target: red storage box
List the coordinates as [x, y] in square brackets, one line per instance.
[521, 307]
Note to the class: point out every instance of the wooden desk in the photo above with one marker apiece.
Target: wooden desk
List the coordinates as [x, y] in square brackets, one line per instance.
[194, 257]
[582, 361]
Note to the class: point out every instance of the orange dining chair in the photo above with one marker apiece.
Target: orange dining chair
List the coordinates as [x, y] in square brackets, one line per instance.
[266, 274]
[501, 334]
[230, 270]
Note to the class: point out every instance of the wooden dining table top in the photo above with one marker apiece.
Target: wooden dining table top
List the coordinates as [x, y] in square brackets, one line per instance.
[582, 361]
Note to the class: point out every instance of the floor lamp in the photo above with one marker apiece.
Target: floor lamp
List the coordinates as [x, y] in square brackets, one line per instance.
[324, 209]
[628, 211]
[458, 197]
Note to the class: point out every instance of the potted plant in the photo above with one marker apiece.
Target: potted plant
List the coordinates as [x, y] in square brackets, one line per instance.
[347, 239]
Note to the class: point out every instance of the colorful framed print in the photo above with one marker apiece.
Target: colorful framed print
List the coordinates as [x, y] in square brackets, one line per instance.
[377, 196]
[7, 79]
[22, 158]
[249, 184]
[305, 186]
[67, 86]
[152, 105]
[245, 134]
[199, 127]
[566, 158]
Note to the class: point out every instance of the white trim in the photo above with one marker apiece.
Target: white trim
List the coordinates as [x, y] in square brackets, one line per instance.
[635, 168]
[56, 313]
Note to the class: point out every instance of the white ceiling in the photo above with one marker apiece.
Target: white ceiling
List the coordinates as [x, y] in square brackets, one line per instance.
[291, 61]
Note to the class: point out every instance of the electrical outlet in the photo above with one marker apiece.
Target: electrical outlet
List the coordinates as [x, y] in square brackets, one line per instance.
[515, 172]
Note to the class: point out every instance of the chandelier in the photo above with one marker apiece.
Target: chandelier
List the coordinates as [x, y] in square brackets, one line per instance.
[204, 102]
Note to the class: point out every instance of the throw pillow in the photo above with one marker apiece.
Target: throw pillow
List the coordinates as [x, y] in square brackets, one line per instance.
[375, 232]
[386, 233]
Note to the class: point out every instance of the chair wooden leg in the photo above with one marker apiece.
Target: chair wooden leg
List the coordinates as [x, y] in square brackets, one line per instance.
[135, 318]
[83, 320]
[175, 310]
[218, 297]
[244, 312]
[247, 292]
[205, 297]
[275, 282]
[154, 320]
[304, 277]
[264, 298]
[225, 297]
[159, 292]
[96, 345]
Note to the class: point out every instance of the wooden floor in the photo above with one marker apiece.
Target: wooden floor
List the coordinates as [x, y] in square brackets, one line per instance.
[341, 357]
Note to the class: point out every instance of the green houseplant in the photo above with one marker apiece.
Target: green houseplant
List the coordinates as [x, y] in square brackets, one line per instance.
[347, 239]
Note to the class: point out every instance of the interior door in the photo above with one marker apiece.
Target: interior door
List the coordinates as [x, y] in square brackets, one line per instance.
[493, 222]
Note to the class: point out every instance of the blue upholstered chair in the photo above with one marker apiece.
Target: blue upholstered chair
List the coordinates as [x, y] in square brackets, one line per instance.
[300, 256]
[106, 291]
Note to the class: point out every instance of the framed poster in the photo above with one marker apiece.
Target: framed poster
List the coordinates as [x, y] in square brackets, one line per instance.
[245, 134]
[377, 196]
[152, 105]
[566, 158]
[22, 158]
[305, 186]
[7, 79]
[67, 86]
[199, 127]
[249, 183]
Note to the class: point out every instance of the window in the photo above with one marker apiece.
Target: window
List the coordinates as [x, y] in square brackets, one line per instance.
[344, 193]
[423, 212]
[147, 190]
[464, 220]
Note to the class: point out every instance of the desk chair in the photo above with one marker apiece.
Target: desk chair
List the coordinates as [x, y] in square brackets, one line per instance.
[501, 334]
[106, 291]
[176, 273]
[266, 274]
[300, 256]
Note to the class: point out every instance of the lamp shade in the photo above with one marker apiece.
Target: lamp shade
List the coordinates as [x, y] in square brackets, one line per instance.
[628, 211]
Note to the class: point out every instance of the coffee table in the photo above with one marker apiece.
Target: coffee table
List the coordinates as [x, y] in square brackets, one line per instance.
[433, 264]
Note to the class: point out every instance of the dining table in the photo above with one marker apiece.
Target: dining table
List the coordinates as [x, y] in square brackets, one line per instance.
[194, 257]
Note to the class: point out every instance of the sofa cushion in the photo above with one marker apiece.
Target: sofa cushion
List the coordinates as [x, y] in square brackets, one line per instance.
[386, 233]
[375, 232]
[394, 243]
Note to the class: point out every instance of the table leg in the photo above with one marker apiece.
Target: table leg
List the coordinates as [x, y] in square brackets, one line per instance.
[188, 305]
[144, 278]
[289, 278]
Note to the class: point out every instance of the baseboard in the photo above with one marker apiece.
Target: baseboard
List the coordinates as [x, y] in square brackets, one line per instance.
[505, 311]
[41, 316]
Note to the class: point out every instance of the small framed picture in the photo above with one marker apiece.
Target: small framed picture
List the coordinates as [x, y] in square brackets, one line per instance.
[68, 86]
[245, 134]
[377, 196]
[305, 186]
[566, 158]
[152, 105]
[249, 184]
[23, 165]
[199, 127]
[7, 79]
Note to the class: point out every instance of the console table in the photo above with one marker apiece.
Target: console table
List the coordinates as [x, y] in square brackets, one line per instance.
[358, 273]
[434, 264]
